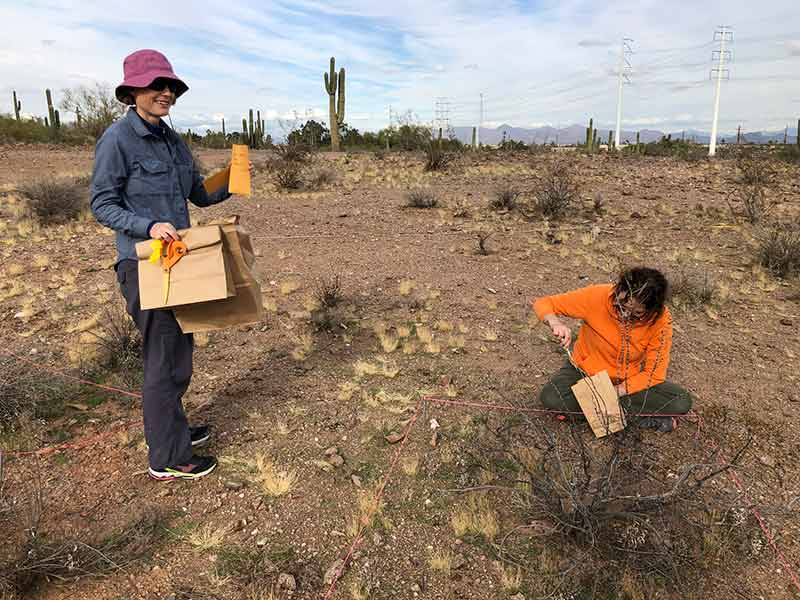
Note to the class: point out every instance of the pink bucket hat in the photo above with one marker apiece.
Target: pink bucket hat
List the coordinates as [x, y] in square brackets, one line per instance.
[142, 68]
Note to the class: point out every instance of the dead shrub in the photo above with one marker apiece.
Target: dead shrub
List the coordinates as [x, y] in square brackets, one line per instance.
[328, 291]
[436, 157]
[422, 198]
[602, 503]
[27, 393]
[505, 198]
[557, 193]
[42, 560]
[288, 168]
[755, 178]
[53, 201]
[779, 249]
[483, 239]
[120, 345]
[599, 203]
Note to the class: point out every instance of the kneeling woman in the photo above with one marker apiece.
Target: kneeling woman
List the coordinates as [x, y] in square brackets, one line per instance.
[627, 331]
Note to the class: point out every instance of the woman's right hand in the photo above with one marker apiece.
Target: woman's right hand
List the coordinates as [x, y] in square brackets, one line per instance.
[560, 331]
[164, 231]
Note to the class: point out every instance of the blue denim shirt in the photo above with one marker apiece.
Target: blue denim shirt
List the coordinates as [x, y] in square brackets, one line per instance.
[140, 178]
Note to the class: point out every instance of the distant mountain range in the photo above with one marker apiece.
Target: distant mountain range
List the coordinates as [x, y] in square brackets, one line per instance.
[576, 134]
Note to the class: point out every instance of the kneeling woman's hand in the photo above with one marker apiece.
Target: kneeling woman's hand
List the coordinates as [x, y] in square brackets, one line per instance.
[560, 331]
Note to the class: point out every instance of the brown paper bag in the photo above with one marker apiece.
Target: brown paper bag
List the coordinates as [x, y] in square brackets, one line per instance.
[600, 404]
[240, 171]
[243, 308]
[201, 275]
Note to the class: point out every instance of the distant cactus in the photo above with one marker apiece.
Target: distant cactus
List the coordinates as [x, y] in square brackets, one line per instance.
[334, 83]
[245, 135]
[54, 122]
[78, 116]
[474, 131]
[588, 143]
[17, 105]
[252, 138]
[610, 142]
[798, 132]
[223, 126]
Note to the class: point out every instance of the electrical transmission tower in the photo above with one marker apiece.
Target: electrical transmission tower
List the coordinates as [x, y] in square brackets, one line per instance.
[625, 70]
[442, 114]
[723, 35]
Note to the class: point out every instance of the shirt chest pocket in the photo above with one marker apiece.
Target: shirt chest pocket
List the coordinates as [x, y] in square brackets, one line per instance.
[149, 177]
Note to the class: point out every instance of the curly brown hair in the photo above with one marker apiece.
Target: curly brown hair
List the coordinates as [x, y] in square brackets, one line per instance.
[646, 285]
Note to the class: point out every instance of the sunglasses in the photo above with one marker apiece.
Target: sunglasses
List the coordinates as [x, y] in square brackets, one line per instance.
[160, 83]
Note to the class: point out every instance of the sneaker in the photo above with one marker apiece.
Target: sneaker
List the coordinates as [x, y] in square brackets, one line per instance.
[197, 467]
[659, 424]
[199, 435]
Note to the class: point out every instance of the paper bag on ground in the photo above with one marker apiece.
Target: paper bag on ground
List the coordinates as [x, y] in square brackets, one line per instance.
[600, 404]
[243, 308]
[201, 275]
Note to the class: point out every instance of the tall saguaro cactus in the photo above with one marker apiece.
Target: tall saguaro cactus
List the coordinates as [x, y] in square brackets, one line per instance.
[17, 105]
[334, 83]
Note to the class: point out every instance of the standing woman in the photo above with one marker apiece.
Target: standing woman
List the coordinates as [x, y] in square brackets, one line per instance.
[143, 174]
[626, 331]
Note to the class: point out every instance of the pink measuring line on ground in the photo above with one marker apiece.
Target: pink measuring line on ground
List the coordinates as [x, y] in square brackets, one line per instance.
[376, 500]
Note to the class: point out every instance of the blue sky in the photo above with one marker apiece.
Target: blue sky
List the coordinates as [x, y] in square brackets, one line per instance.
[536, 63]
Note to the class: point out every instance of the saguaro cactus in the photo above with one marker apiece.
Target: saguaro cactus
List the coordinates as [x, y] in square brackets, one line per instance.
[17, 105]
[610, 140]
[252, 138]
[51, 111]
[245, 134]
[334, 83]
[798, 132]
[591, 137]
[223, 126]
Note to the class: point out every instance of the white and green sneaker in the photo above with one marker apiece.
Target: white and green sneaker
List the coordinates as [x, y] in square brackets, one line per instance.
[197, 467]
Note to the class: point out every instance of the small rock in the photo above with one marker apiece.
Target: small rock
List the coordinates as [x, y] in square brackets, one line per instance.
[416, 589]
[394, 437]
[636, 215]
[261, 542]
[767, 460]
[336, 460]
[377, 539]
[233, 484]
[517, 597]
[356, 480]
[331, 451]
[333, 571]
[434, 424]
[286, 581]
[787, 322]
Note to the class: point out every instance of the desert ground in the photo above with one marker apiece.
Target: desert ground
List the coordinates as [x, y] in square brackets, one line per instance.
[309, 420]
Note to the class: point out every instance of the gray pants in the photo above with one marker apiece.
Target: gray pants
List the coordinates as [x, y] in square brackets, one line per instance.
[167, 357]
[666, 397]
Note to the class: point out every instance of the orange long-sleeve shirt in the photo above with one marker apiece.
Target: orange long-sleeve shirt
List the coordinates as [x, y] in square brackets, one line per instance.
[599, 341]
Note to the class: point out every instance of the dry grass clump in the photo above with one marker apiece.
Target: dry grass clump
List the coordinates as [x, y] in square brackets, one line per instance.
[442, 561]
[273, 482]
[476, 518]
[321, 178]
[53, 201]
[779, 249]
[505, 198]
[328, 291]
[692, 290]
[422, 198]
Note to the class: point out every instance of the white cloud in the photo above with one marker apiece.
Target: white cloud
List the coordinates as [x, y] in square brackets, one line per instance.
[553, 64]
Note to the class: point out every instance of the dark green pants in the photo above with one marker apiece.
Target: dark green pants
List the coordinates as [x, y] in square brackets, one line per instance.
[662, 398]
